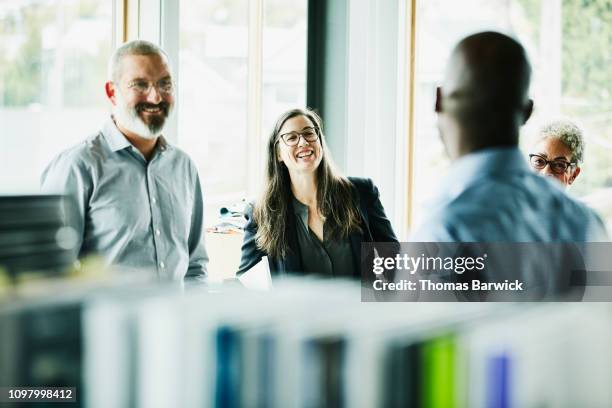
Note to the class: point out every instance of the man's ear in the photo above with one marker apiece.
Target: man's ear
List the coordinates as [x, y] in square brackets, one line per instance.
[438, 106]
[109, 87]
[527, 111]
[576, 173]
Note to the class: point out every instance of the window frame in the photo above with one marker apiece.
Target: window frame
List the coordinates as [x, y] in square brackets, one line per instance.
[158, 21]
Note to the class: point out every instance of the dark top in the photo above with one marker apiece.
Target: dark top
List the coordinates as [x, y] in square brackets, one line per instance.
[331, 257]
[375, 228]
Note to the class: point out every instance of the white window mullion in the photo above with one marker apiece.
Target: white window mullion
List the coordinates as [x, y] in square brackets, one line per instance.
[149, 18]
[158, 22]
[119, 22]
[404, 145]
[169, 40]
[255, 156]
[374, 103]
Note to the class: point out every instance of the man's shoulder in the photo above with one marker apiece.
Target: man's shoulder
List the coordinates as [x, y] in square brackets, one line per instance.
[180, 153]
[180, 156]
[454, 221]
[526, 208]
[562, 203]
[519, 190]
[76, 161]
[86, 151]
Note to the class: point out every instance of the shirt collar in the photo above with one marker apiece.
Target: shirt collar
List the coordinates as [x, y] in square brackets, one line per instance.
[114, 137]
[484, 163]
[162, 144]
[117, 141]
[301, 210]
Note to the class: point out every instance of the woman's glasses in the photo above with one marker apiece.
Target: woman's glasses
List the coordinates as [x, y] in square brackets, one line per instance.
[291, 139]
[557, 166]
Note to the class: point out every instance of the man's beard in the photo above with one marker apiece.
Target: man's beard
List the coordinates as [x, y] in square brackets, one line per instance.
[129, 117]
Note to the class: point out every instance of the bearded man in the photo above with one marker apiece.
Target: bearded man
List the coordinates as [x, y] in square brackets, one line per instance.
[132, 197]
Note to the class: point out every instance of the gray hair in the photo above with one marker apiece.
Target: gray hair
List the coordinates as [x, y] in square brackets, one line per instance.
[135, 47]
[569, 134]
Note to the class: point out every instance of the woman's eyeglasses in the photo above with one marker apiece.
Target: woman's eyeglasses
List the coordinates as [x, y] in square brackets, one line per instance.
[291, 139]
[557, 166]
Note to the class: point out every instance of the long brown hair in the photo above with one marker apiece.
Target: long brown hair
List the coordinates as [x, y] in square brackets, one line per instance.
[336, 199]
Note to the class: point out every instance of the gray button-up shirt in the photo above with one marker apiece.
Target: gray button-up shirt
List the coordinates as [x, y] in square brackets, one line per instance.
[330, 257]
[137, 214]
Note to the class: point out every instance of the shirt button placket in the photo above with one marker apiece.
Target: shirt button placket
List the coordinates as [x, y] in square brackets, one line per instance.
[155, 221]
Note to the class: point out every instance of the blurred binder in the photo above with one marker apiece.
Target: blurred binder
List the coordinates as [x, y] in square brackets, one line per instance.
[33, 237]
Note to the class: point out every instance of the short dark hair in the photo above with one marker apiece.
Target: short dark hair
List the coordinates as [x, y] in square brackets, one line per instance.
[491, 91]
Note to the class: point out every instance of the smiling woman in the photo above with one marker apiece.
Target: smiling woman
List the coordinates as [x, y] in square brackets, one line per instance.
[300, 150]
[310, 219]
[558, 152]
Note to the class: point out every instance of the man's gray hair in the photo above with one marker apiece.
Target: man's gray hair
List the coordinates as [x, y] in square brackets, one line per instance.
[567, 132]
[135, 47]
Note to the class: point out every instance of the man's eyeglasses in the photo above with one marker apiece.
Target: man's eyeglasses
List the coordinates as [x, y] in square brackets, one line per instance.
[291, 139]
[141, 87]
[557, 166]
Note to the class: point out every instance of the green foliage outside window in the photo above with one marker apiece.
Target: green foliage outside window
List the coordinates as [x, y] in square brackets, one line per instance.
[26, 67]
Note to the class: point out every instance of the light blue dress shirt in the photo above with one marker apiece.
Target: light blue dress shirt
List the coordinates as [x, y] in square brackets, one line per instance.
[493, 196]
[136, 214]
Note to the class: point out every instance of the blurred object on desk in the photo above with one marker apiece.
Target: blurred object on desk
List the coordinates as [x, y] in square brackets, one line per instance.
[231, 219]
[258, 277]
[233, 210]
[224, 242]
[224, 252]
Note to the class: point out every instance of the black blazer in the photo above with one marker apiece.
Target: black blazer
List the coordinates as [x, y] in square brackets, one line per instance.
[375, 228]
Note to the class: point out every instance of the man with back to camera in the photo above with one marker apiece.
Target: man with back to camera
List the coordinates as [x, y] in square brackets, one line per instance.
[134, 198]
[490, 193]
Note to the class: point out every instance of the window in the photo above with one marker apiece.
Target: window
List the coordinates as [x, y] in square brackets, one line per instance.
[53, 58]
[284, 59]
[569, 79]
[241, 64]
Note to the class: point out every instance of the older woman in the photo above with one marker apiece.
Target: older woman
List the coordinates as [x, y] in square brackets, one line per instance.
[559, 151]
[310, 219]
